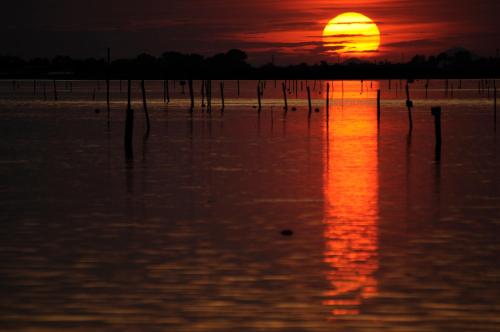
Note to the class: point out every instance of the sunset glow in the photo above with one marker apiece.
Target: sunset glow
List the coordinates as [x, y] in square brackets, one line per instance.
[351, 196]
[351, 33]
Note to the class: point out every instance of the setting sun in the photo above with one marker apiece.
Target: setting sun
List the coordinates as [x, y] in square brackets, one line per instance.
[351, 33]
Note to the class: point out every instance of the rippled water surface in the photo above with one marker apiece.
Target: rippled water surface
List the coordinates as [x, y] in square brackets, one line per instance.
[187, 235]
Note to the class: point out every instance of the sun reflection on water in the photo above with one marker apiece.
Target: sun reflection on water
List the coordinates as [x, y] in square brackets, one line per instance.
[351, 198]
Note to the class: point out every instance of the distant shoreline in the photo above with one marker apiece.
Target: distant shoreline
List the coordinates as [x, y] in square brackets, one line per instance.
[233, 65]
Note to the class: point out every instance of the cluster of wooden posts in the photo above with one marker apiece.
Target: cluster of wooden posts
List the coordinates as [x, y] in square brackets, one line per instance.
[484, 87]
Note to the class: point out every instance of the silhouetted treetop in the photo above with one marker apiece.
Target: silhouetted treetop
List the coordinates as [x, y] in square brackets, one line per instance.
[457, 62]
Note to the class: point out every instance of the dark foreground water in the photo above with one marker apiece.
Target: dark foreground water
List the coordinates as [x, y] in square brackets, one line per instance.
[187, 236]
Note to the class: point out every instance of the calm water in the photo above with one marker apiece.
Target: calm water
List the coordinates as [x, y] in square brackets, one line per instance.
[187, 236]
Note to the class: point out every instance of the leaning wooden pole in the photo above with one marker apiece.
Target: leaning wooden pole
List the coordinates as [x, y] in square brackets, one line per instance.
[145, 105]
[129, 125]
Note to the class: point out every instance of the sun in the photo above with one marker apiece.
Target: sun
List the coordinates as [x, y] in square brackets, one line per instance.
[351, 33]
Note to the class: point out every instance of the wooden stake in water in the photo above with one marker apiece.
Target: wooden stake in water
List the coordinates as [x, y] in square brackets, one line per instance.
[55, 90]
[107, 80]
[202, 94]
[327, 101]
[378, 107]
[284, 96]
[129, 125]
[309, 100]
[409, 105]
[191, 93]
[164, 91]
[168, 92]
[495, 103]
[222, 95]
[209, 95]
[145, 105]
[436, 112]
[259, 97]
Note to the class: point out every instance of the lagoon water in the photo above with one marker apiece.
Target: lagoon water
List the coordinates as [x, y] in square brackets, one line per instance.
[187, 235]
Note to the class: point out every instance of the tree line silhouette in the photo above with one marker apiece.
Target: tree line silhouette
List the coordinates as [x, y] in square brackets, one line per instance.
[233, 65]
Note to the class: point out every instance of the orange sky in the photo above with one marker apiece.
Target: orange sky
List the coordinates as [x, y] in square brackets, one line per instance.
[291, 30]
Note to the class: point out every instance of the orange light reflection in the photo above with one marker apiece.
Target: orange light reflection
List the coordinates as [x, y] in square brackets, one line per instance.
[351, 199]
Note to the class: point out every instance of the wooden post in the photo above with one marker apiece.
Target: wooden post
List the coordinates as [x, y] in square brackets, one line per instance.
[129, 125]
[55, 90]
[222, 94]
[495, 103]
[191, 93]
[238, 83]
[259, 96]
[168, 92]
[107, 80]
[436, 112]
[409, 105]
[44, 91]
[378, 107]
[426, 89]
[284, 96]
[202, 93]
[309, 100]
[164, 91]
[209, 95]
[327, 101]
[145, 104]
[34, 88]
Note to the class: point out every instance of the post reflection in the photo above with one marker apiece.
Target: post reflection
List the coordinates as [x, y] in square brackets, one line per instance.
[351, 196]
